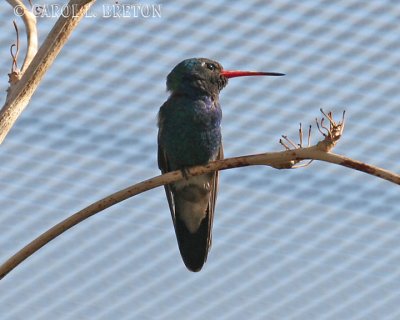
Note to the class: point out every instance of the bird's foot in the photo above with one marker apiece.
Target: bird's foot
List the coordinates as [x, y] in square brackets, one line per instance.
[185, 173]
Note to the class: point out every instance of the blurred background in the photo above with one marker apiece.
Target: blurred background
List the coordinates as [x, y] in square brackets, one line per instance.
[315, 243]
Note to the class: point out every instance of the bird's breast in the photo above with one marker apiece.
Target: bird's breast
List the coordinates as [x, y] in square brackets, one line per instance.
[190, 130]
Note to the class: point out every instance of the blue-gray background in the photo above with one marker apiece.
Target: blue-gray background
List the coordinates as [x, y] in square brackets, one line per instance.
[315, 243]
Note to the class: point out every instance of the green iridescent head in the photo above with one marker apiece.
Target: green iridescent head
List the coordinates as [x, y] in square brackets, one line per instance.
[196, 75]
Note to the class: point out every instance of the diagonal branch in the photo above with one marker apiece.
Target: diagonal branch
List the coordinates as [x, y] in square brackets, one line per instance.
[274, 159]
[21, 93]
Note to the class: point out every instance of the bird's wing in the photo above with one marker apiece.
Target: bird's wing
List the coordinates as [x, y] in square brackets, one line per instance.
[213, 196]
[164, 167]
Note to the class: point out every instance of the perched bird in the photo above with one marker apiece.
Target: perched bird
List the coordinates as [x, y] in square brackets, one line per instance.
[190, 134]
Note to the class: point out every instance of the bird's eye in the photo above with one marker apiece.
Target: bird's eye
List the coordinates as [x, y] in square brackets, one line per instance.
[211, 66]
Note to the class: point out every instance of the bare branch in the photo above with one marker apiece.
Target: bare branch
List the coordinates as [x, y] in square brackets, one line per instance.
[280, 160]
[19, 96]
[269, 159]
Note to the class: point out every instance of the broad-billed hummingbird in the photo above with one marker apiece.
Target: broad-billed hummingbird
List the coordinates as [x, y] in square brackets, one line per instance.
[190, 134]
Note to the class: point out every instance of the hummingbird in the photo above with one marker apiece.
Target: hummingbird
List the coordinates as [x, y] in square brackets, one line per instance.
[189, 134]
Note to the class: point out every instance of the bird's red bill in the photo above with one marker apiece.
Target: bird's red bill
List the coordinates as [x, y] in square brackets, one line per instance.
[238, 73]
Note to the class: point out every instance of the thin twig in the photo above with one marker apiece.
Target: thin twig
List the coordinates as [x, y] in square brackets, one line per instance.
[284, 144]
[15, 74]
[287, 139]
[300, 136]
[29, 20]
[14, 55]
